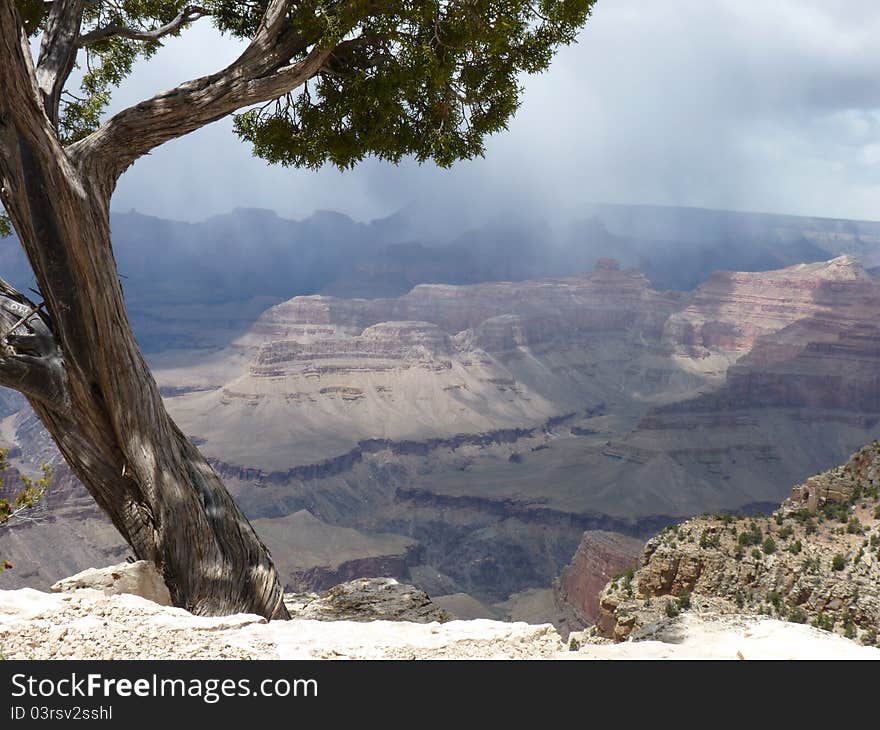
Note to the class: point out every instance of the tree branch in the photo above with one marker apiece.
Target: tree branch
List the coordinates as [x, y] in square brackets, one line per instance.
[187, 15]
[31, 361]
[263, 72]
[58, 52]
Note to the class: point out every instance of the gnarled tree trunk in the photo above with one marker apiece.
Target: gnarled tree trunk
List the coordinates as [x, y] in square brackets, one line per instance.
[79, 365]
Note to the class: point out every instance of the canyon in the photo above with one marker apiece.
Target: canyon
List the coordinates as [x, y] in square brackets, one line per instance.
[466, 437]
[504, 446]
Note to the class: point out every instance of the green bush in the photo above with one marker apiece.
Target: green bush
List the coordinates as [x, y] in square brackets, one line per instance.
[854, 527]
[835, 511]
[30, 492]
[756, 554]
[838, 562]
[769, 546]
[752, 536]
[797, 615]
[795, 547]
[672, 609]
[684, 600]
[785, 532]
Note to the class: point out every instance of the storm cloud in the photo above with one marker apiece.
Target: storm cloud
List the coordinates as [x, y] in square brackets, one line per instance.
[762, 105]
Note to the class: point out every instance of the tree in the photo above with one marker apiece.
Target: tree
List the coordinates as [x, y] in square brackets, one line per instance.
[320, 81]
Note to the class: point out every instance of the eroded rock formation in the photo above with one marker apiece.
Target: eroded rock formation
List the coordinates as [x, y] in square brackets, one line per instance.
[816, 559]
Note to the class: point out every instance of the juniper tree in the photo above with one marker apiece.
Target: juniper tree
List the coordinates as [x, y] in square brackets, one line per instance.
[319, 82]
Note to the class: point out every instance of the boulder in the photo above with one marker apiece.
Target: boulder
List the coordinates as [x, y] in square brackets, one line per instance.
[367, 599]
[140, 578]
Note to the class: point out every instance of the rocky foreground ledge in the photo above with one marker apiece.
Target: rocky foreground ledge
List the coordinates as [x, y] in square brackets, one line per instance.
[86, 623]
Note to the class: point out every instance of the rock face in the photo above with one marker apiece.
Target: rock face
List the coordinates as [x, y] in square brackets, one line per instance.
[599, 557]
[327, 374]
[816, 559]
[367, 599]
[139, 579]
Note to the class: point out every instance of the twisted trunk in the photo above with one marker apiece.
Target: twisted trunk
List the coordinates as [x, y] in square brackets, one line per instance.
[80, 367]
[82, 371]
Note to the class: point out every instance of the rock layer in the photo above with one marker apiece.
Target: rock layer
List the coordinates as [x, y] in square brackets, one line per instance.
[599, 557]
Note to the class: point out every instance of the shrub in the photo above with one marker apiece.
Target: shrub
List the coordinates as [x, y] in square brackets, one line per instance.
[684, 600]
[769, 546]
[826, 623]
[838, 562]
[756, 554]
[752, 536]
[854, 527]
[795, 547]
[709, 539]
[797, 615]
[672, 609]
[785, 532]
[30, 493]
[835, 511]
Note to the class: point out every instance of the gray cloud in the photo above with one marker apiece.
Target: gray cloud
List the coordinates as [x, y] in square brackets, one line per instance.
[749, 104]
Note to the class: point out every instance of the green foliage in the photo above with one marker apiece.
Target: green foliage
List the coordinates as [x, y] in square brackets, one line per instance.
[752, 536]
[835, 511]
[709, 539]
[769, 546]
[824, 622]
[5, 225]
[775, 598]
[838, 562]
[684, 600]
[29, 493]
[854, 527]
[785, 532]
[756, 554]
[429, 78]
[795, 547]
[672, 609]
[797, 615]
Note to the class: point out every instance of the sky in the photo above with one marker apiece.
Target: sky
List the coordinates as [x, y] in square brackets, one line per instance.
[760, 105]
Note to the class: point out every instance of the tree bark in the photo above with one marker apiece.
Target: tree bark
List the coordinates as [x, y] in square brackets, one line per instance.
[80, 367]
